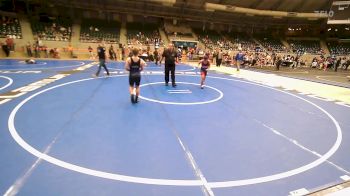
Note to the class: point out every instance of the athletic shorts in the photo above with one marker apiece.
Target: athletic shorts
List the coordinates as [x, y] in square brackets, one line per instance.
[204, 71]
[135, 80]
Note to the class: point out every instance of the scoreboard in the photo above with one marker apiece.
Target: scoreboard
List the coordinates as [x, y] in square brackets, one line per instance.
[339, 13]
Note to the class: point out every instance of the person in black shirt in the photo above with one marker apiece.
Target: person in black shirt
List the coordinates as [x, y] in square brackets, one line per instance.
[337, 64]
[170, 56]
[156, 56]
[112, 54]
[134, 65]
[101, 53]
[278, 63]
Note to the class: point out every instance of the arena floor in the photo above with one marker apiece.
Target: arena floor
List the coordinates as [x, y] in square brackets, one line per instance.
[63, 132]
[339, 78]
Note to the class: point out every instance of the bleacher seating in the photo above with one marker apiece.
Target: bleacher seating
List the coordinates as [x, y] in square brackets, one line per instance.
[305, 46]
[96, 31]
[212, 39]
[10, 26]
[145, 34]
[179, 31]
[240, 40]
[271, 44]
[58, 29]
[339, 48]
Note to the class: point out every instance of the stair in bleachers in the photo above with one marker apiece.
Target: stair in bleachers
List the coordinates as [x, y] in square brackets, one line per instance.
[26, 29]
[242, 40]
[285, 43]
[200, 44]
[76, 32]
[123, 33]
[259, 43]
[324, 47]
[163, 36]
[270, 43]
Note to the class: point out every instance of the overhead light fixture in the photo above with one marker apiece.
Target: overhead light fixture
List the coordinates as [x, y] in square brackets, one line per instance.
[165, 2]
[260, 12]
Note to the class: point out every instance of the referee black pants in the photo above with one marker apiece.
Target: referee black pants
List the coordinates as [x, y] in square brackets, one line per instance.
[170, 68]
[218, 62]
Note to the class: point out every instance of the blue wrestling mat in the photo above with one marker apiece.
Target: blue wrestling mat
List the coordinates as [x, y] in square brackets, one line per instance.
[66, 133]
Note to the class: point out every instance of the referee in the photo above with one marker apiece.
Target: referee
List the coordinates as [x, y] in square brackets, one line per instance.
[170, 56]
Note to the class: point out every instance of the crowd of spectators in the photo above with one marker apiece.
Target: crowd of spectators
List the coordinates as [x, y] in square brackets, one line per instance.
[96, 31]
[10, 26]
[39, 50]
[323, 62]
[58, 29]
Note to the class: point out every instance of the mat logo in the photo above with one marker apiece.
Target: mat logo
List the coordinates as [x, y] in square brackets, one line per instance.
[40, 83]
[5, 97]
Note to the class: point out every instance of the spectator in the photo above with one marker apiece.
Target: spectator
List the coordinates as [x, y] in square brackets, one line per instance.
[112, 54]
[91, 54]
[44, 48]
[219, 57]
[10, 43]
[29, 49]
[70, 50]
[337, 64]
[36, 50]
[156, 56]
[54, 53]
[5, 49]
